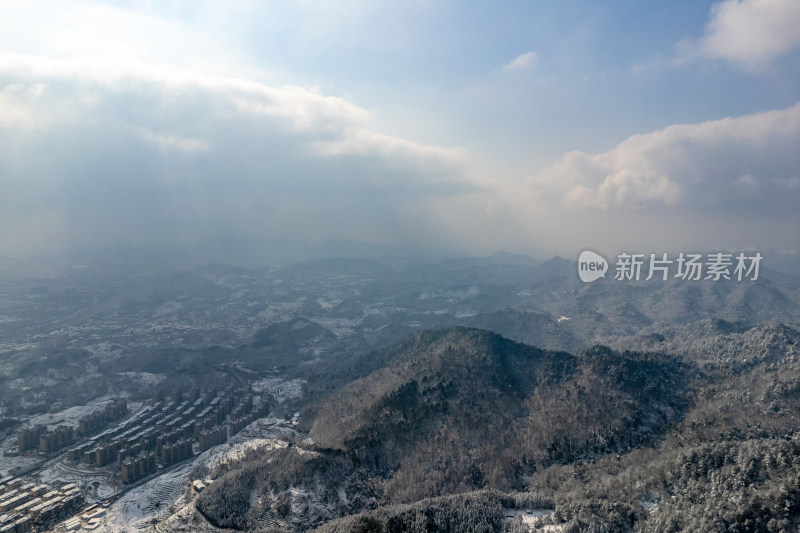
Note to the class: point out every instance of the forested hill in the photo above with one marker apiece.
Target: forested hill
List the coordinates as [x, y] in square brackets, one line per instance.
[608, 440]
[486, 411]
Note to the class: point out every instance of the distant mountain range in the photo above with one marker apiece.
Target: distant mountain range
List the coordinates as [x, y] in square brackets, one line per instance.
[450, 392]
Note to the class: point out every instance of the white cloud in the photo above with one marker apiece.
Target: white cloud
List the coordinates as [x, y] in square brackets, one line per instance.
[362, 141]
[728, 165]
[15, 108]
[304, 107]
[749, 33]
[121, 152]
[89, 29]
[342, 126]
[171, 141]
[522, 61]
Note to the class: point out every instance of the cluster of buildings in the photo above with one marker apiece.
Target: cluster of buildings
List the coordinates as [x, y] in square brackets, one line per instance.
[113, 411]
[90, 519]
[26, 505]
[133, 468]
[46, 441]
[41, 439]
[166, 431]
[169, 430]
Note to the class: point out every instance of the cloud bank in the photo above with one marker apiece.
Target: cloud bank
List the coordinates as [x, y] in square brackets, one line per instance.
[100, 153]
[748, 163]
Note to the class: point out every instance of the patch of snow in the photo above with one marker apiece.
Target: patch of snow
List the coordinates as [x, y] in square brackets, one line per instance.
[282, 390]
[143, 378]
[103, 350]
[651, 502]
[167, 308]
[71, 415]
[340, 327]
[228, 453]
[95, 483]
[532, 518]
[152, 502]
[328, 304]
[12, 462]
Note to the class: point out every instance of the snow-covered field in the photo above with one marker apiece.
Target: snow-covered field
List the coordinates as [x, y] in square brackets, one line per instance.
[144, 507]
[8, 463]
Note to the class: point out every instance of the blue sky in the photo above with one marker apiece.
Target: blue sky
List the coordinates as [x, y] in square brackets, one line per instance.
[539, 127]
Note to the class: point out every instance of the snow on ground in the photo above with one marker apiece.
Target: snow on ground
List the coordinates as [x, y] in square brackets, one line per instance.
[102, 350]
[165, 503]
[281, 311]
[186, 519]
[10, 462]
[325, 304]
[6, 369]
[533, 518]
[147, 505]
[228, 453]
[142, 378]
[95, 483]
[650, 504]
[341, 327]
[17, 347]
[266, 434]
[270, 427]
[528, 515]
[282, 390]
[167, 308]
[57, 471]
[71, 415]
[266, 384]
[290, 390]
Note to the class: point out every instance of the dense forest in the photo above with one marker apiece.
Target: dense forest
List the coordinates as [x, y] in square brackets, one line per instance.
[598, 440]
[460, 409]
